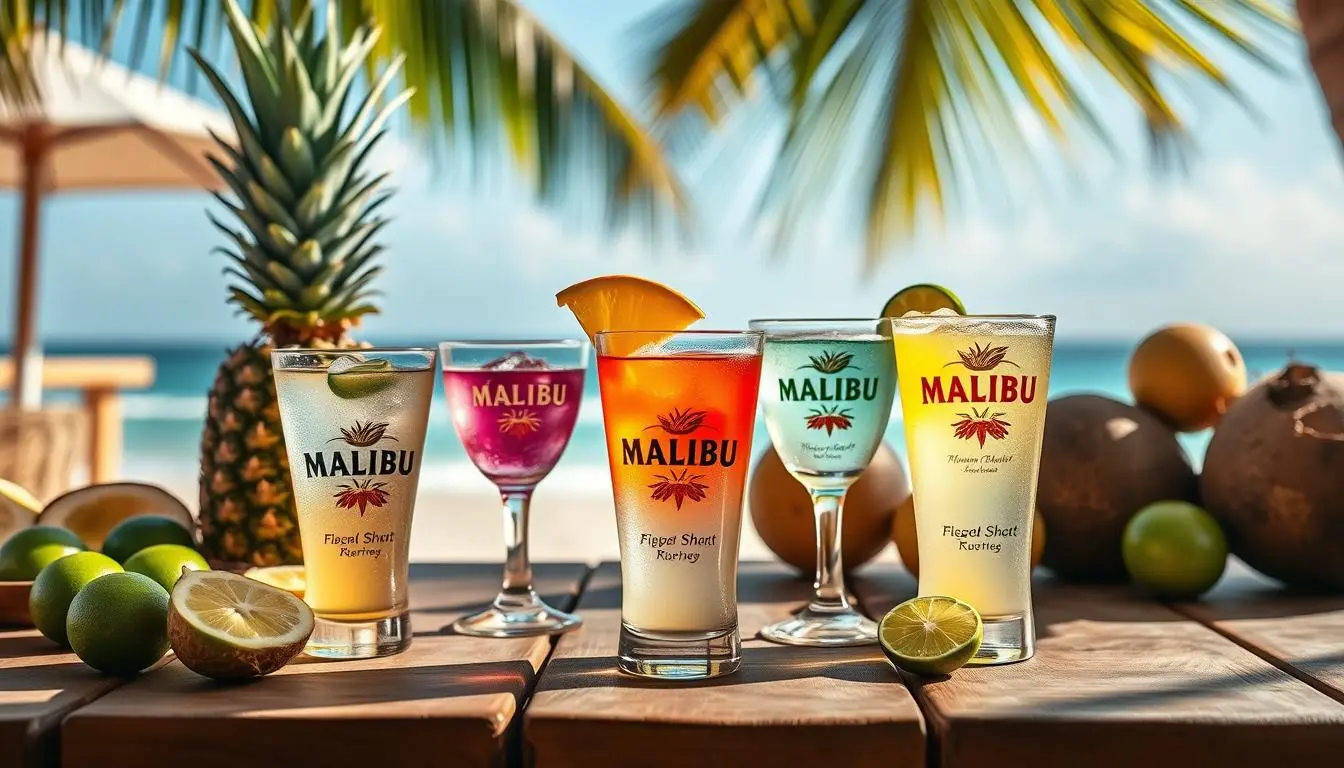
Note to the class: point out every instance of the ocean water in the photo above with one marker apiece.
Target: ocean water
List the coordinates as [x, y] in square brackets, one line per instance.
[163, 424]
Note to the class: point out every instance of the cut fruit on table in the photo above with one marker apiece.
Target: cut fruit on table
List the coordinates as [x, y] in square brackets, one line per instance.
[94, 510]
[930, 635]
[18, 508]
[229, 627]
[290, 578]
[627, 303]
[923, 298]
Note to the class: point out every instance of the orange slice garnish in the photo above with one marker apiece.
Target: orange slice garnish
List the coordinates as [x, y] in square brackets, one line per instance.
[627, 303]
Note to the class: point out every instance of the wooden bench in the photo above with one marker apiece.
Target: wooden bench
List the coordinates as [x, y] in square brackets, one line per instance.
[99, 381]
[1253, 676]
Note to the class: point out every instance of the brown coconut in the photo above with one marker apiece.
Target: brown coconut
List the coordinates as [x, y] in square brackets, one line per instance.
[1274, 477]
[1101, 462]
[781, 510]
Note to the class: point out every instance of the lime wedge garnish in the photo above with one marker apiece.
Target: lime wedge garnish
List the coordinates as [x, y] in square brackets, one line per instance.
[361, 379]
[923, 298]
[930, 635]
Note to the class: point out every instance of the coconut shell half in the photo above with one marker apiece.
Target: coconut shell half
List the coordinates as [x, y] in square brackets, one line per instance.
[1274, 477]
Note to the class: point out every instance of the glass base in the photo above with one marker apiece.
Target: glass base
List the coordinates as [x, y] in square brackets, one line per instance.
[360, 639]
[823, 627]
[517, 615]
[679, 655]
[1007, 639]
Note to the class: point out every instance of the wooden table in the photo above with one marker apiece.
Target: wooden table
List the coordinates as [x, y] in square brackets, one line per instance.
[1251, 676]
[99, 381]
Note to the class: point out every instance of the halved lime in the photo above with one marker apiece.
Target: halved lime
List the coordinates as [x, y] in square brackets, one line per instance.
[924, 298]
[361, 379]
[930, 635]
[229, 627]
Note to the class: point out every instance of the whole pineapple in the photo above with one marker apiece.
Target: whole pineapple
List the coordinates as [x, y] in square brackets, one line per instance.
[303, 259]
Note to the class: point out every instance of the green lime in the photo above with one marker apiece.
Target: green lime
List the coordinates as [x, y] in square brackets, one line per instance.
[136, 533]
[164, 563]
[361, 380]
[57, 585]
[118, 623]
[1174, 549]
[924, 298]
[930, 635]
[28, 551]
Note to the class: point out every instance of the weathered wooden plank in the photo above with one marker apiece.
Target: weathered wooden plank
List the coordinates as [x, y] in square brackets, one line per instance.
[1300, 633]
[39, 684]
[785, 706]
[450, 699]
[1119, 681]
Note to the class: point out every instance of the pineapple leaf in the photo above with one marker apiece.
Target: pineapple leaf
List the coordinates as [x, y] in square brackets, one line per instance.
[356, 263]
[254, 225]
[249, 273]
[329, 121]
[284, 278]
[355, 288]
[269, 207]
[377, 123]
[263, 85]
[266, 170]
[315, 295]
[351, 243]
[231, 177]
[282, 239]
[363, 191]
[276, 299]
[242, 124]
[316, 202]
[328, 69]
[371, 100]
[249, 304]
[360, 310]
[301, 108]
[307, 258]
[296, 158]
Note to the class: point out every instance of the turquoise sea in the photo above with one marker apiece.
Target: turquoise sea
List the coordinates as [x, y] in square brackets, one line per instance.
[163, 424]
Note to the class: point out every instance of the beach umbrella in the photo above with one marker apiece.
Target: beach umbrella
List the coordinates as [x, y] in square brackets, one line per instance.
[99, 126]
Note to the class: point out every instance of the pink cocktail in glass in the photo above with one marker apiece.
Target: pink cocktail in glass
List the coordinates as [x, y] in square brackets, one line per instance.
[514, 405]
[516, 422]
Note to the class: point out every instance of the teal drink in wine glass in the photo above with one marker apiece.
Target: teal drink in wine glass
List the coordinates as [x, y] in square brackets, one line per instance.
[826, 388]
[827, 402]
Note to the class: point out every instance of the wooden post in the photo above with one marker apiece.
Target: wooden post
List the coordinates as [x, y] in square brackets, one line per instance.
[27, 388]
[103, 407]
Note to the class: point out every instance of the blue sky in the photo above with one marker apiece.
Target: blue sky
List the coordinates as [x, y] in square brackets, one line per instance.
[1250, 241]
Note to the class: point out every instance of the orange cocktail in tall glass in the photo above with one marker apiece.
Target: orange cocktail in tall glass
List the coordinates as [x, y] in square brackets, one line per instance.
[679, 411]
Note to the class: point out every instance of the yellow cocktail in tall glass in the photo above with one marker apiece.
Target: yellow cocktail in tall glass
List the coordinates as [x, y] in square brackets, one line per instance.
[973, 393]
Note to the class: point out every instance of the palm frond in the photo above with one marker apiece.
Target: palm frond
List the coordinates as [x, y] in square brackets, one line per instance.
[919, 96]
[488, 78]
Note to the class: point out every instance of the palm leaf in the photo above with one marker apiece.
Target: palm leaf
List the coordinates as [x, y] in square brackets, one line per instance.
[526, 95]
[898, 104]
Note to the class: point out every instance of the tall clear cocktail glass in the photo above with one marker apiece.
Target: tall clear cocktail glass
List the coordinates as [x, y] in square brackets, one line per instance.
[354, 426]
[513, 404]
[827, 389]
[679, 410]
[973, 394]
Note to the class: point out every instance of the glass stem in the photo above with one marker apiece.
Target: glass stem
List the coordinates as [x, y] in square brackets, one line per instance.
[828, 505]
[517, 566]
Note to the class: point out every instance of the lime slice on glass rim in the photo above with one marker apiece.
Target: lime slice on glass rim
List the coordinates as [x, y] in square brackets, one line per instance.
[923, 298]
[930, 635]
[359, 379]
